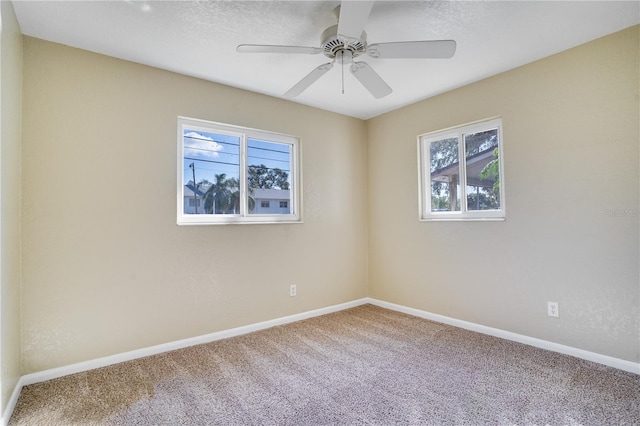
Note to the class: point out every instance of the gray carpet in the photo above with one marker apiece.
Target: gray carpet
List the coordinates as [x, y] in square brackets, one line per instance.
[361, 366]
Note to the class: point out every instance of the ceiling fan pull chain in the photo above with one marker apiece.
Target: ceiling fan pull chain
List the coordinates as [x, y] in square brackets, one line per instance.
[342, 52]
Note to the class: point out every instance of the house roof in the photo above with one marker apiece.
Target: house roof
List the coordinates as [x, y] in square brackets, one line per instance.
[271, 194]
[475, 164]
[188, 190]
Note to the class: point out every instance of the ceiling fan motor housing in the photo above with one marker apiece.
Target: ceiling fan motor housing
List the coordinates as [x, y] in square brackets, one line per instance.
[332, 44]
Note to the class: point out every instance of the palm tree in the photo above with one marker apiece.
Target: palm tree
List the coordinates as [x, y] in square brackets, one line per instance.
[233, 185]
[223, 196]
[218, 198]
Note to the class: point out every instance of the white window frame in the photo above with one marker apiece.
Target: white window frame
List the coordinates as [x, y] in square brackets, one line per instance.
[244, 134]
[424, 170]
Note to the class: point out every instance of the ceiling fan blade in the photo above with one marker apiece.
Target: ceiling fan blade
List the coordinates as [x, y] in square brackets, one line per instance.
[370, 79]
[353, 17]
[272, 48]
[308, 80]
[413, 49]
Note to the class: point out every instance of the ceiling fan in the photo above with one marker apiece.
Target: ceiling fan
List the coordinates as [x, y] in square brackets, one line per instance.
[344, 42]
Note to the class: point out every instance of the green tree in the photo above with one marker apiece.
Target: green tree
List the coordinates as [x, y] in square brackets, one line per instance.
[491, 172]
[223, 196]
[440, 203]
[267, 178]
[233, 185]
[476, 143]
[443, 154]
[482, 199]
[218, 198]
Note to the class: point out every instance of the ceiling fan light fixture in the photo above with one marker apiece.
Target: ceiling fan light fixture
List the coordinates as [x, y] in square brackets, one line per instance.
[332, 43]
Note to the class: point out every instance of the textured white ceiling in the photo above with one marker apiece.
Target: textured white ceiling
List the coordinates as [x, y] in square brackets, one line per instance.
[199, 38]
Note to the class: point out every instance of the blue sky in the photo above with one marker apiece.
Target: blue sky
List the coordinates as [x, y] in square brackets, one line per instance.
[214, 153]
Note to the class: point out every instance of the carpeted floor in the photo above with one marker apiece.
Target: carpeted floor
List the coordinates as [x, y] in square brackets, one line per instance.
[361, 366]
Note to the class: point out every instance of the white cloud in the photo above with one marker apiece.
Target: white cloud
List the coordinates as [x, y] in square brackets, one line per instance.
[200, 146]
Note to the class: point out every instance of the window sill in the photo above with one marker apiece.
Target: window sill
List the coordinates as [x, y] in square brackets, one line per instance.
[463, 219]
[241, 222]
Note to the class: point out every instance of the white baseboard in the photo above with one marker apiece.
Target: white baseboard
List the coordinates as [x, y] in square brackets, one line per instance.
[54, 373]
[11, 405]
[620, 364]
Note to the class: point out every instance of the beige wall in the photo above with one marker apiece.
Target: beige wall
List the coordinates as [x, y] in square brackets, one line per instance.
[571, 142]
[106, 269]
[10, 134]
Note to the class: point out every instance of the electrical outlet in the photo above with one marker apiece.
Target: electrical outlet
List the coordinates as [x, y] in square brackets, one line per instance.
[292, 290]
[552, 309]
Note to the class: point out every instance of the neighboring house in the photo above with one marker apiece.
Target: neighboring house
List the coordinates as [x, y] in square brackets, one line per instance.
[474, 164]
[267, 201]
[271, 201]
[193, 201]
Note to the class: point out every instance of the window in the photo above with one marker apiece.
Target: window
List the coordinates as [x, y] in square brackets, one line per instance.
[229, 174]
[284, 204]
[461, 173]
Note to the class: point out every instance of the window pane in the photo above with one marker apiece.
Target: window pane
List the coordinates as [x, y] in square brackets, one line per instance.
[445, 172]
[268, 174]
[483, 170]
[212, 161]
